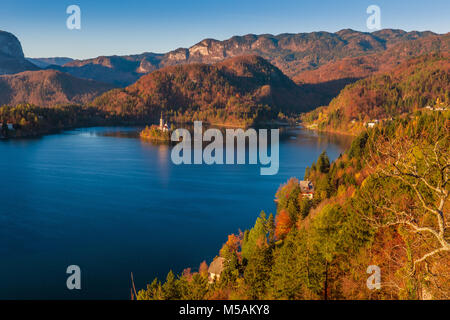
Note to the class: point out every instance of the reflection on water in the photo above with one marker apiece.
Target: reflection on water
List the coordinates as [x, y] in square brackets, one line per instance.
[320, 139]
[103, 199]
[163, 160]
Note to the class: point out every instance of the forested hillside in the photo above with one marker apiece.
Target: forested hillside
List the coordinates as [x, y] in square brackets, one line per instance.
[363, 66]
[415, 84]
[384, 203]
[238, 91]
[48, 88]
[29, 120]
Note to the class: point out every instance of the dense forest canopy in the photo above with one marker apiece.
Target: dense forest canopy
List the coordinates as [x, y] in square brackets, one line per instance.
[30, 120]
[241, 91]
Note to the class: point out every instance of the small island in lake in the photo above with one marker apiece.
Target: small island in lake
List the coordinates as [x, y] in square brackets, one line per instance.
[157, 133]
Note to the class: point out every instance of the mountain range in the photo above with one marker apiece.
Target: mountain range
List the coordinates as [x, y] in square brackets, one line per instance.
[293, 54]
[45, 62]
[250, 76]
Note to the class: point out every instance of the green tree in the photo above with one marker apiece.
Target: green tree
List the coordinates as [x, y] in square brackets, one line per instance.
[271, 228]
[323, 163]
[153, 291]
[304, 207]
[256, 235]
[196, 289]
[257, 271]
[231, 271]
[170, 288]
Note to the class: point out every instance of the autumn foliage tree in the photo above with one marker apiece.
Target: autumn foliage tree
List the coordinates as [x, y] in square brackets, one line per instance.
[283, 224]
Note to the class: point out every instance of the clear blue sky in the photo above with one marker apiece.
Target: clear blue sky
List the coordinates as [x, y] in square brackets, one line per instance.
[135, 26]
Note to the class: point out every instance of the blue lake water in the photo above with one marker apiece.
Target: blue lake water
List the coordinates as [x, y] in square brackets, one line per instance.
[104, 200]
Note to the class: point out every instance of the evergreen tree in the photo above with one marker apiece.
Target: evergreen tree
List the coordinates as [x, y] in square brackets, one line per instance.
[197, 288]
[323, 163]
[258, 234]
[257, 272]
[271, 228]
[153, 291]
[170, 290]
[231, 271]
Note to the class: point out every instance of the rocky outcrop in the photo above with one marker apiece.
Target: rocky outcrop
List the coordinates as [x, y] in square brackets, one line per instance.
[12, 59]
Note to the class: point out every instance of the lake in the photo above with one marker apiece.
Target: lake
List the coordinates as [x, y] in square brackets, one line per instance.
[104, 200]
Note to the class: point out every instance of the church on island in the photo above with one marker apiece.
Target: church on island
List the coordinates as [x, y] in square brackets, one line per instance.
[163, 126]
[155, 132]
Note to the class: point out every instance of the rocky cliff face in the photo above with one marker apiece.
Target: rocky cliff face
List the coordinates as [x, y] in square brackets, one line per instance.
[10, 45]
[12, 59]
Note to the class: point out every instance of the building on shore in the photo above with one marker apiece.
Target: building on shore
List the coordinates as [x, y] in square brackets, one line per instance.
[307, 189]
[215, 269]
[371, 124]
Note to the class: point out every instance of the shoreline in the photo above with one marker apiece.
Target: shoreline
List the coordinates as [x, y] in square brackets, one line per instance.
[35, 135]
[38, 134]
[315, 128]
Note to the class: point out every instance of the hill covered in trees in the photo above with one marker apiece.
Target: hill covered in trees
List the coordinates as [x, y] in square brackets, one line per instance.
[238, 91]
[383, 203]
[29, 120]
[48, 88]
[415, 84]
[364, 65]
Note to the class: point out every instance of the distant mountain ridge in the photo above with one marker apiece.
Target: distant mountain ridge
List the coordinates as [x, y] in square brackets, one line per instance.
[117, 70]
[45, 62]
[291, 53]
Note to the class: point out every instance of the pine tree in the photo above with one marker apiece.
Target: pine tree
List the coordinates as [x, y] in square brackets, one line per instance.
[256, 274]
[323, 163]
[271, 228]
[153, 291]
[231, 271]
[170, 289]
[257, 234]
